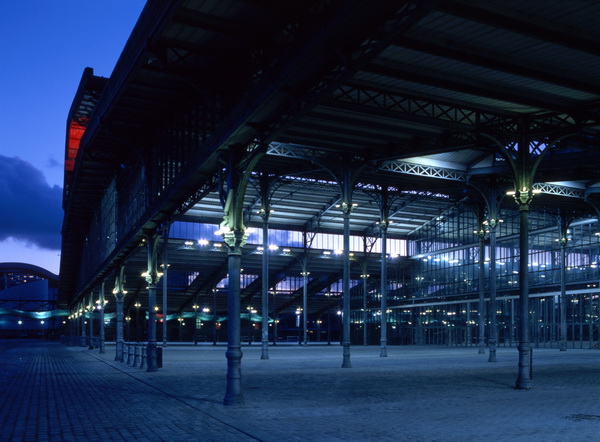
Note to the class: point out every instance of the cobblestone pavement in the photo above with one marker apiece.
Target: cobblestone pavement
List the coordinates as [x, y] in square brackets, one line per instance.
[52, 392]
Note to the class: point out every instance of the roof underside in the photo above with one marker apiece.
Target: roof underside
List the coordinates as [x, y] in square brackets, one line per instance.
[419, 97]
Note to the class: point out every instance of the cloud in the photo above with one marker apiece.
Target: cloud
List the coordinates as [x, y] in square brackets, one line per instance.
[54, 164]
[31, 209]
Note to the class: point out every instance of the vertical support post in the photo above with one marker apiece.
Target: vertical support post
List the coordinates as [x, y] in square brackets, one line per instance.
[71, 331]
[364, 277]
[214, 316]
[102, 304]
[563, 291]
[91, 310]
[275, 319]
[264, 213]
[383, 337]
[119, 334]
[524, 375]
[493, 305]
[233, 395]
[468, 337]
[346, 287]
[590, 323]
[165, 288]
[152, 278]
[196, 321]
[305, 274]
[83, 342]
[481, 308]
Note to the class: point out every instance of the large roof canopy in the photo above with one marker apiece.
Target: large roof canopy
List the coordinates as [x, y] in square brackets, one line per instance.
[431, 100]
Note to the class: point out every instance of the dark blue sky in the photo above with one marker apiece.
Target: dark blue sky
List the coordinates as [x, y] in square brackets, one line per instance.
[45, 46]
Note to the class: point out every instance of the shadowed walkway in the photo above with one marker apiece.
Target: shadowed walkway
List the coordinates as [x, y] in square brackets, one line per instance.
[52, 392]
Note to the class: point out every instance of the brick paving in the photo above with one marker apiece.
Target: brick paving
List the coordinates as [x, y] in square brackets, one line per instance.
[57, 393]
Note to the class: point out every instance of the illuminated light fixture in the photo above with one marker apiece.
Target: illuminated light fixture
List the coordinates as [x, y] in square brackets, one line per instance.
[536, 191]
[326, 252]
[273, 247]
[145, 274]
[260, 248]
[222, 231]
[394, 255]
[189, 243]
[511, 193]
[217, 245]
[286, 250]
[338, 252]
[203, 242]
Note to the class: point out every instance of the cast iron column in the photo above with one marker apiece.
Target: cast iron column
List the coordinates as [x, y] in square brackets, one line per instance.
[383, 225]
[119, 292]
[481, 308]
[152, 278]
[364, 277]
[563, 292]
[233, 396]
[493, 308]
[346, 207]
[383, 339]
[195, 307]
[83, 342]
[102, 305]
[119, 295]
[165, 289]
[304, 300]
[91, 310]
[264, 213]
[523, 198]
[151, 346]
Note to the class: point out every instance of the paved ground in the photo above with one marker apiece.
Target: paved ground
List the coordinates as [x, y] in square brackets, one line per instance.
[57, 393]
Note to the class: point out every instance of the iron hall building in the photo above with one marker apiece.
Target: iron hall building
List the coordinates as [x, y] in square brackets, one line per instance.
[345, 172]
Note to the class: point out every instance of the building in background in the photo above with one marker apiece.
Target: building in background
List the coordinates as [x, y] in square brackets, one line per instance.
[28, 302]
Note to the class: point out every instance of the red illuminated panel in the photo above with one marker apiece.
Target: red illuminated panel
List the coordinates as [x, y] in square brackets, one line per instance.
[76, 132]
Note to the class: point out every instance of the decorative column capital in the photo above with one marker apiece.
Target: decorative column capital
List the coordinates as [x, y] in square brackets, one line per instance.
[152, 277]
[264, 213]
[523, 197]
[235, 240]
[492, 223]
[347, 208]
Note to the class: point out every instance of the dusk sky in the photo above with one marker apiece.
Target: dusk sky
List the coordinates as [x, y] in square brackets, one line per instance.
[45, 47]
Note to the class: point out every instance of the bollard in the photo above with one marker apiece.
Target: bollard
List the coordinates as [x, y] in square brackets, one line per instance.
[159, 357]
[143, 361]
[136, 355]
[129, 354]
